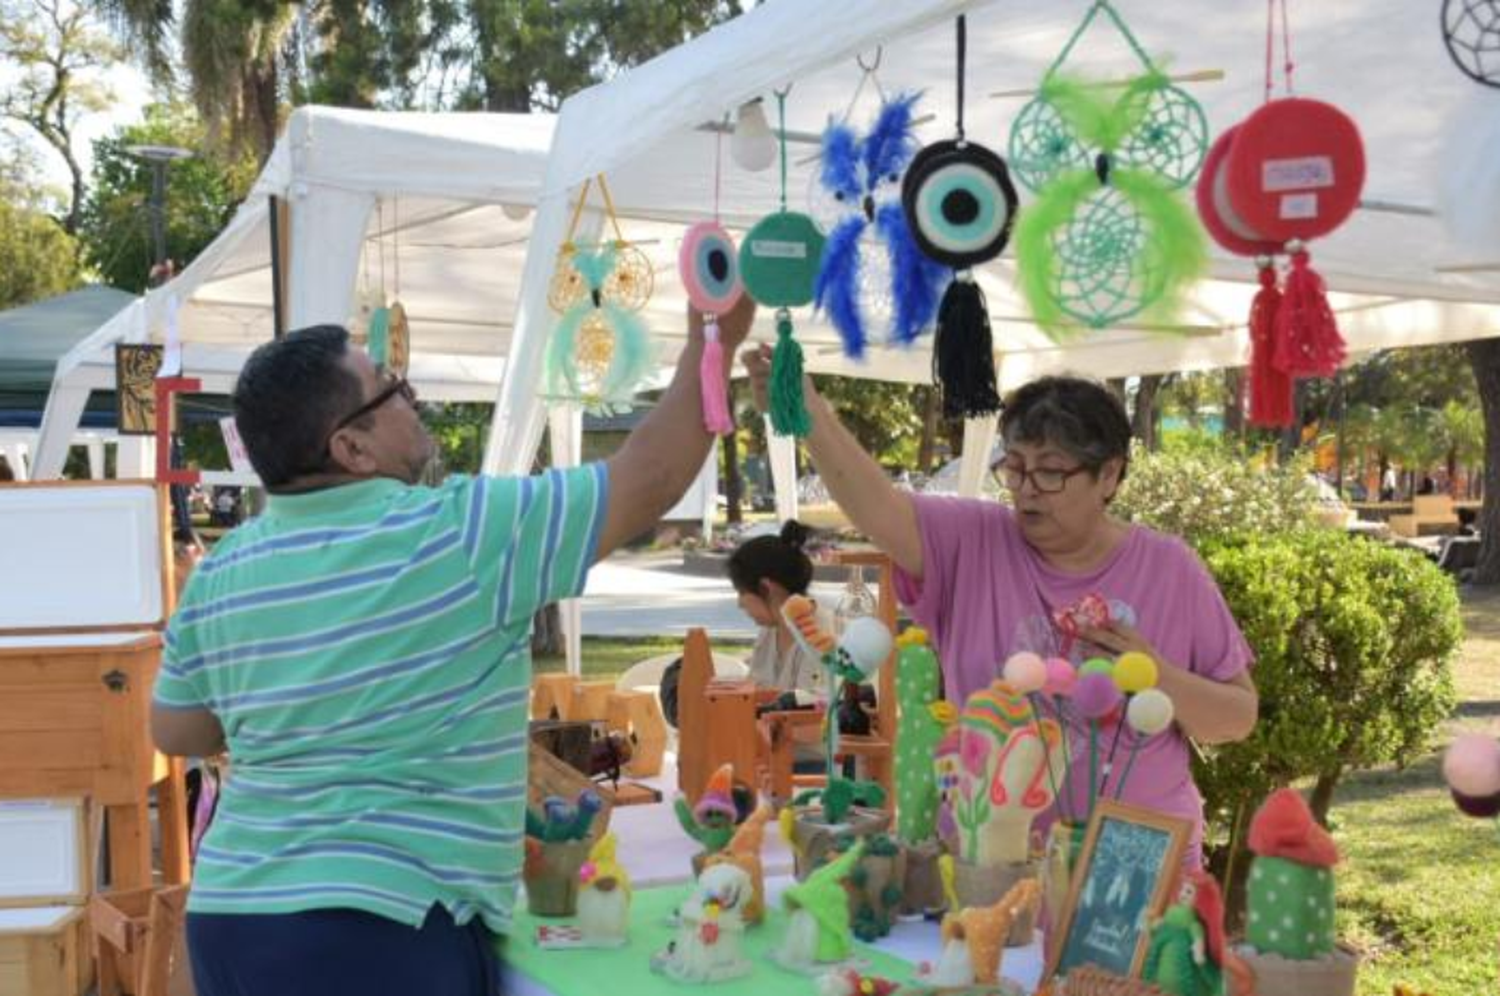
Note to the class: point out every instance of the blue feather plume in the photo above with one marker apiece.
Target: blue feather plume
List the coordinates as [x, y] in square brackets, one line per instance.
[837, 288]
[890, 145]
[841, 162]
[916, 282]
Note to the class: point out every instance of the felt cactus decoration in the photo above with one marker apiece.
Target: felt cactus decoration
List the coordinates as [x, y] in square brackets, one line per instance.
[875, 885]
[561, 821]
[924, 718]
[1004, 778]
[1291, 907]
[711, 821]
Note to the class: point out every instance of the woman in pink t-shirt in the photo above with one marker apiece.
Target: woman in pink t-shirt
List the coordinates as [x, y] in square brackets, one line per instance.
[989, 580]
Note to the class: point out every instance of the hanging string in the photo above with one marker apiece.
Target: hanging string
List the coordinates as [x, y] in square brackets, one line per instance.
[718, 168]
[781, 139]
[963, 48]
[1130, 39]
[380, 245]
[609, 207]
[396, 245]
[1287, 65]
[867, 78]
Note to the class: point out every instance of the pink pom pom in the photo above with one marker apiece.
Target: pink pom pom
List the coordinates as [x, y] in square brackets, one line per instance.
[1025, 672]
[1061, 678]
[1472, 766]
[1096, 696]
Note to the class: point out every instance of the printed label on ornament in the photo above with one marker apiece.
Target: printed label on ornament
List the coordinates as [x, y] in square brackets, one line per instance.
[1309, 172]
[775, 249]
[555, 938]
[1297, 207]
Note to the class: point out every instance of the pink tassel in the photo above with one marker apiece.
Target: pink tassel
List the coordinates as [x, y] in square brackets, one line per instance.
[1308, 343]
[715, 388]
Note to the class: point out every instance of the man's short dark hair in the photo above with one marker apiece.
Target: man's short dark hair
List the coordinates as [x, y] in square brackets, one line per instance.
[288, 397]
[1080, 416]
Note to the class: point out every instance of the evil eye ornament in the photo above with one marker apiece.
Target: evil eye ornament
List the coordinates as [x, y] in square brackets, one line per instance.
[959, 202]
[709, 265]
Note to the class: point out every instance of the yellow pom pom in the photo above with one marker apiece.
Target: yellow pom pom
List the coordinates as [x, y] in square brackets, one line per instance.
[1135, 672]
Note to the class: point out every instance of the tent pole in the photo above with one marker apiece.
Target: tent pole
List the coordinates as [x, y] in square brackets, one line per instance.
[279, 225]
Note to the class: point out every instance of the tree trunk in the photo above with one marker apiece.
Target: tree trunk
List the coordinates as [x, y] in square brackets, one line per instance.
[547, 633]
[1143, 421]
[734, 481]
[1234, 403]
[1484, 357]
[1231, 865]
[1322, 796]
[1116, 387]
[931, 412]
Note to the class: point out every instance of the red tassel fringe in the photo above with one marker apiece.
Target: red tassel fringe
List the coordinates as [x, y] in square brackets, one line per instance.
[1308, 343]
[1271, 401]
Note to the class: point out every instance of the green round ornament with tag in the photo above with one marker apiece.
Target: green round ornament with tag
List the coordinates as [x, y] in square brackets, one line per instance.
[779, 260]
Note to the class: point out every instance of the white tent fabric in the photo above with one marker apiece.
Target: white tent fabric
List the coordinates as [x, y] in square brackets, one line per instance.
[430, 208]
[1391, 268]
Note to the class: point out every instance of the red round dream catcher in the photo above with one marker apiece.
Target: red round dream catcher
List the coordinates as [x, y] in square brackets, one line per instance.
[1289, 173]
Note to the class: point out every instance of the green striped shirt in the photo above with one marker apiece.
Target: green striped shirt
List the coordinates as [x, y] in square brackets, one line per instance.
[367, 650]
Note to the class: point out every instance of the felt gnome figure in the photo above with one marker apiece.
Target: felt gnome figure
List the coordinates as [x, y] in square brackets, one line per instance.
[820, 930]
[974, 938]
[1186, 956]
[604, 896]
[743, 852]
[711, 821]
[709, 943]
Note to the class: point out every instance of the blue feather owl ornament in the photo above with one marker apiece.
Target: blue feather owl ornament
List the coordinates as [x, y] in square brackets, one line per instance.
[870, 257]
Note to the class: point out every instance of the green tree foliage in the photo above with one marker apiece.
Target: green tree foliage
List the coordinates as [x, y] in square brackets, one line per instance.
[202, 194]
[58, 56]
[885, 418]
[37, 258]
[1353, 642]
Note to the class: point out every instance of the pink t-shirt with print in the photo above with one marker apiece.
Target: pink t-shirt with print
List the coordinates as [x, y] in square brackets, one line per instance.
[985, 594]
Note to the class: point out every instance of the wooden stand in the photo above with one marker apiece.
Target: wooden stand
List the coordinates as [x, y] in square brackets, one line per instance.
[45, 860]
[638, 716]
[590, 700]
[693, 768]
[552, 693]
[139, 937]
[75, 698]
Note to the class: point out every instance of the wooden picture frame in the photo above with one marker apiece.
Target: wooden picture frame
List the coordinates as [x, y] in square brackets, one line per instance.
[136, 366]
[1124, 878]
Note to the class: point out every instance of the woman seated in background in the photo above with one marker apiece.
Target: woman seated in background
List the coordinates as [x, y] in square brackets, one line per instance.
[765, 572]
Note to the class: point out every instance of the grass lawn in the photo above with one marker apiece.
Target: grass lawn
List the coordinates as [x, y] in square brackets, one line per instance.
[1420, 886]
[609, 658]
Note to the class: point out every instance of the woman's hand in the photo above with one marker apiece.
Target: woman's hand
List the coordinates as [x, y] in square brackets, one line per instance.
[758, 365]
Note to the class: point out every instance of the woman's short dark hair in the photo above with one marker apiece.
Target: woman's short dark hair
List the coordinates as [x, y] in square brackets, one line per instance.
[773, 558]
[288, 397]
[1080, 416]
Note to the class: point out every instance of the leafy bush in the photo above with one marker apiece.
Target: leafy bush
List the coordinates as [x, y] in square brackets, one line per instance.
[1354, 642]
[1204, 493]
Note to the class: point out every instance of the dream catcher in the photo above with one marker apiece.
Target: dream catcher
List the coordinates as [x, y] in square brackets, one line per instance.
[779, 265]
[709, 266]
[600, 351]
[387, 333]
[1471, 30]
[1108, 237]
[959, 204]
[1289, 173]
[871, 267]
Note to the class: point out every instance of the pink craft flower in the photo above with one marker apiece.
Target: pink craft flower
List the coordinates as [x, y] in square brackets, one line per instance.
[976, 754]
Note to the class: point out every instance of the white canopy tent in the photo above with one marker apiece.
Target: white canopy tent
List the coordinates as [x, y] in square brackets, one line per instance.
[432, 209]
[1381, 60]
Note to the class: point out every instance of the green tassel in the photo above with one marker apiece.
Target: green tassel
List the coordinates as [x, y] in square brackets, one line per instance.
[788, 408]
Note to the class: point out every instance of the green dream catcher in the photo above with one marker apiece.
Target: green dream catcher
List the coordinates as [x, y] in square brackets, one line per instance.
[1108, 237]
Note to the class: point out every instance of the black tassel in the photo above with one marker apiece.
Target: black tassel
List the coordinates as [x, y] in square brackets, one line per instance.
[963, 351]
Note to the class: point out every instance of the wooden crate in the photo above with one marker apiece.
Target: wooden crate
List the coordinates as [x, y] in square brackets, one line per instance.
[79, 651]
[139, 936]
[44, 882]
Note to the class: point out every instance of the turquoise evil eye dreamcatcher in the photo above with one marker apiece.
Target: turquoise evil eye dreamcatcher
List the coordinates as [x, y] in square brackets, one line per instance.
[959, 206]
[870, 257]
[1109, 237]
[600, 351]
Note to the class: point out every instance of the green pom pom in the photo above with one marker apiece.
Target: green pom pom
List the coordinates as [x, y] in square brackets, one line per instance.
[788, 408]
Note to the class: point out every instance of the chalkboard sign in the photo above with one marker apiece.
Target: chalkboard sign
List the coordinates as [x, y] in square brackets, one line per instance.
[1123, 879]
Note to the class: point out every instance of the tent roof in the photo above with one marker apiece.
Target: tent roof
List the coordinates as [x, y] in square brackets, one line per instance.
[33, 337]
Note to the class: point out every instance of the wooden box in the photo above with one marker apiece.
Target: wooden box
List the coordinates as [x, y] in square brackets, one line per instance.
[141, 941]
[44, 882]
[80, 643]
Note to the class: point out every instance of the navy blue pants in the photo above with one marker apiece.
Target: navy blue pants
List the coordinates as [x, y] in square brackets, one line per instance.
[339, 952]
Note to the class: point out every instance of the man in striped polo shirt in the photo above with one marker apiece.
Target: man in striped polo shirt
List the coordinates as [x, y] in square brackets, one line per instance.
[362, 651]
